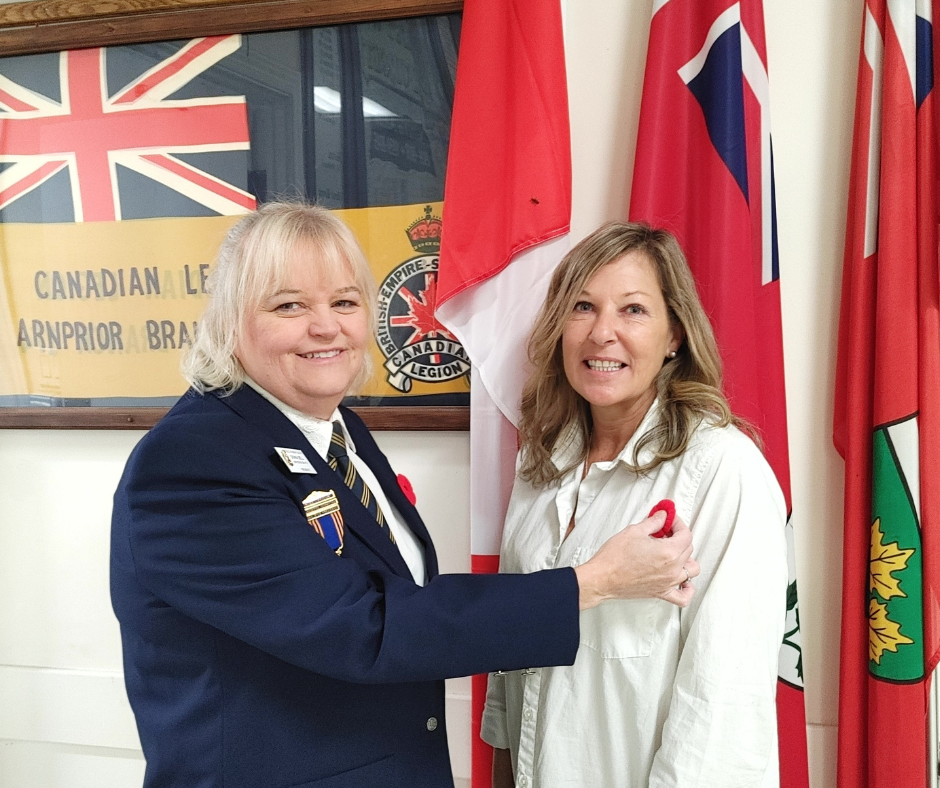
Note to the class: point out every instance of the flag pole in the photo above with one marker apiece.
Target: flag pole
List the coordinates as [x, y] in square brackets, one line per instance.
[932, 743]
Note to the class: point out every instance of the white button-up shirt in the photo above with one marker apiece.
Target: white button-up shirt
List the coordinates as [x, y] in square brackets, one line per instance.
[658, 695]
[319, 433]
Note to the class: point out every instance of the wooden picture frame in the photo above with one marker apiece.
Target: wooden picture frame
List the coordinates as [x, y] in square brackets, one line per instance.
[54, 25]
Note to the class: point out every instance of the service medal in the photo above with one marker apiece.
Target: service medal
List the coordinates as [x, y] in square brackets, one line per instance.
[321, 508]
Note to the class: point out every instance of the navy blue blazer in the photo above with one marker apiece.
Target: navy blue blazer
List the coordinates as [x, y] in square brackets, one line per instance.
[254, 656]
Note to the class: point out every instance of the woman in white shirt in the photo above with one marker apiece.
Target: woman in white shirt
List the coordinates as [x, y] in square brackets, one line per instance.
[624, 409]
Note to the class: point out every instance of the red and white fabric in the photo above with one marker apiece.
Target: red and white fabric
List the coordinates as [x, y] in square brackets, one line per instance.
[704, 170]
[507, 208]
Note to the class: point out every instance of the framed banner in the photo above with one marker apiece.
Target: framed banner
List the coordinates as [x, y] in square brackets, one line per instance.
[131, 140]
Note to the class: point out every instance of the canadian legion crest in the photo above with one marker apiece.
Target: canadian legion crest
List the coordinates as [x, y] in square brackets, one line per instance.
[415, 345]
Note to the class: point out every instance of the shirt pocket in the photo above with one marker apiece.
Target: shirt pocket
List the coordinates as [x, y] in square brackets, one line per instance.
[623, 629]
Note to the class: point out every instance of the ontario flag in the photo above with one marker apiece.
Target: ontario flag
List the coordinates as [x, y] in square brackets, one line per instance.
[507, 209]
[97, 135]
[704, 170]
[887, 406]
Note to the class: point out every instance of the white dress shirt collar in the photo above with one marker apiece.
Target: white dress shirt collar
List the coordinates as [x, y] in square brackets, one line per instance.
[317, 431]
[570, 444]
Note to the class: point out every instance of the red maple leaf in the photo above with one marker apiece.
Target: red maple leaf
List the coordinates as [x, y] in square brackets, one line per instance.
[420, 315]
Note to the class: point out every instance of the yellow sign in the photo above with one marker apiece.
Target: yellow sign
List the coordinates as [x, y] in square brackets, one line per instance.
[104, 310]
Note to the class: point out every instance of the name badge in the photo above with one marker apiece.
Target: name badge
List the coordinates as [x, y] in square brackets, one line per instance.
[295, 460]
[321, 509]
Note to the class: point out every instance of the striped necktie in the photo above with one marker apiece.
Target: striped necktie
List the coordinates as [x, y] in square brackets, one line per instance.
[338, 460]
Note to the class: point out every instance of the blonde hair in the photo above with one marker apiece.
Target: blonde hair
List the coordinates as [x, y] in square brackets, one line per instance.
[688, 386]
[253, 262]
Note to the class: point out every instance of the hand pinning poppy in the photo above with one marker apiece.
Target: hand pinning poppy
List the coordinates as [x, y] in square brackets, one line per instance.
[407, 489]
[669, 508]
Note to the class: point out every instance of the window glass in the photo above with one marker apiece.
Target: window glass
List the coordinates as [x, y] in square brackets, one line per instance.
[122, 168]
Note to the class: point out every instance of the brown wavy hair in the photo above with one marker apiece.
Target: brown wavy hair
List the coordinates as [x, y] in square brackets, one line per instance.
[688, 386]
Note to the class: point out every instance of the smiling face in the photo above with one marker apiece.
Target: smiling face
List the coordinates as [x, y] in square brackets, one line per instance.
[306, 343]
[617, 337]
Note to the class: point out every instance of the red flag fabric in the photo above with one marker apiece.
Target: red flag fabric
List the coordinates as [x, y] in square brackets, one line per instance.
[704, 170]
[887, 409]
[507, 209]
[508, 181]
[507, 195]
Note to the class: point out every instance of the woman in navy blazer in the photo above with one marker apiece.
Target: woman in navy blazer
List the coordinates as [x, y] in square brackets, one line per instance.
[276, 633]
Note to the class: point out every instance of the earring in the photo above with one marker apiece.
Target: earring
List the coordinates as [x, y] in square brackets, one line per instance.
[672, 354]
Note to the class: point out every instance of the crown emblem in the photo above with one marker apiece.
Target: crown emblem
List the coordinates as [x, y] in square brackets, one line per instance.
[425, 234]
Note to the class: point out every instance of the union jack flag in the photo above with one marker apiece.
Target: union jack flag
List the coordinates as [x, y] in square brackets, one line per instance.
[89, 131]
[727, 61]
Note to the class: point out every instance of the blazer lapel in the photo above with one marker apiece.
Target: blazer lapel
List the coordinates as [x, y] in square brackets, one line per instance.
[378, 464]
[282, 432]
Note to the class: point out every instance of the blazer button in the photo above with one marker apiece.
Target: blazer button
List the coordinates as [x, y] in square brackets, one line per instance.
[432, 723]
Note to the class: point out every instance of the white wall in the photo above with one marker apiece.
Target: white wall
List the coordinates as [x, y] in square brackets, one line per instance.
[63, 719]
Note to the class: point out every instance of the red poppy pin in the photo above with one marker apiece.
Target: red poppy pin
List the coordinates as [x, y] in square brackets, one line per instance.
[407, 489]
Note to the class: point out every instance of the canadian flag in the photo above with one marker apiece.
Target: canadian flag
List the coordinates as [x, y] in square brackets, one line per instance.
[507, 209]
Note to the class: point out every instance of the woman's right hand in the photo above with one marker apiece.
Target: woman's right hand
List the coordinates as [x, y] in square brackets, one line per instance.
[634, 565]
